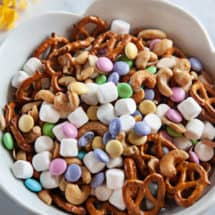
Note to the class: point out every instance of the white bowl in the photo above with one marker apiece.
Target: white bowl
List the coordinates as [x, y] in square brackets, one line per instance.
[185, 30]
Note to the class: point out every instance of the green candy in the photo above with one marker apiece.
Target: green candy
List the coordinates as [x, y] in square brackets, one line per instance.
[172, 132]
[124, 90]
[8, 141]
[81, 154]
[194, 142]
[151, 69]
[47, 129]
[101, 79]
[126, 60]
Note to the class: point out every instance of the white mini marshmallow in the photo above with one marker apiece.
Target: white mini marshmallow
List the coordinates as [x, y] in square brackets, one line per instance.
[153, 121]
[116, 199]
[209, 131]
[78, 117]
[68, 147]
[182, 143]
[189, 108]
[103, 193]
[18, 78]
[107, 93]
[22, 169]
[43, 143]
[115, 162]
[49, 181]
[105, 113]
[48, 113]
[41, 161]
[194, 129]
[204, 152]
[92, 163]
[119, 26]
[58, 131]
[125, 106]
[127, 122]
[115, 178]
[90, 98]
[32, 65]
[162, 109]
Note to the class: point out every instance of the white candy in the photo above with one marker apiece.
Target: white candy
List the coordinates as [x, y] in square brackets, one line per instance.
[107, 93]
[162, 109]
[115, 178]
[90, 98]
[115, 162]
[105, 113]
[58, 131]
[18, 78]
[209, 131]
[43, 143]
[127, 122]
[22, 169]
[194, 129]
[189, 108]
[120, 27]
[68, 147]
[182, 143]
[32, 65]
[49, 181]
[92, 163]
[204, 152]
[78, 117]
[153, 121]
[103, 193]
[116, 199]
[168, 62]
[48, 113]
[125, 106]
[41, 161]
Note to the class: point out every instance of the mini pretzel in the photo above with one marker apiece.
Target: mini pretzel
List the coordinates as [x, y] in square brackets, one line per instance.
[9, 112]
[205, 115]
[135, 191]
[80, 31]
[130, 168]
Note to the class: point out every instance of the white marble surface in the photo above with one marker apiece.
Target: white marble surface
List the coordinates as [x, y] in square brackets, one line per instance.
[203, 9]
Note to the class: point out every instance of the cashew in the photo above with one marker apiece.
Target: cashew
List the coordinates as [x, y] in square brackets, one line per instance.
[27, 107]
[45, 95]
[45, 197]
[163, 76]
[2, 121]
[84, 74]
[153, 164]
[66, 80]
[178, 127]
[19, 155]
[75, 195]
[169, 161]
[63, 183]
[34, 113]
[142, 59]
[74, 100]
[86, 176]
[56, 150]
[162, 47]
[153, 59]
[61, 103]
[67, 62]
[183, 64]
[150, 34]
[82, 57]
[73, 161]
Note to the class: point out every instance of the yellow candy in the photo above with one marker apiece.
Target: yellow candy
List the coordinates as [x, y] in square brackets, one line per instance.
[131, 50]
[92, 112]
[23, 4]
[135, 139]
[26, 123]
[97, 143]
[78, 87]
[114, 148]
[9, 3]
[147, 106]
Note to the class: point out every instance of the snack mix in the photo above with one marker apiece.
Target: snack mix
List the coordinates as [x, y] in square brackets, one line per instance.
[111, 122]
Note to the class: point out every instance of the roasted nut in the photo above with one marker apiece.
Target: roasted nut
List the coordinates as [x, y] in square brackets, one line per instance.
[66, 80]
[45, 197]
[84, 74]
[45, 95]
[86, 176]
[63, 183]
[142, 59]
[2, 122]
[150, 34]
[27, 107]
[162, 47]
[82, 57]
[178, 127]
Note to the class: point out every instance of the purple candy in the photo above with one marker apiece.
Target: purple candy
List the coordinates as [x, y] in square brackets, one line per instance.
[104, 64]
[165, 135]
[178, 94]
[106, 137]
[101, 155]
[115, 127]
[142, 129]
[121, 67]
[193, 157]
[153, 42]
[73, 173]
[114, 77]
[173, 115]
[149, 94]
[98, 180]
[196, 64]
[85, 139]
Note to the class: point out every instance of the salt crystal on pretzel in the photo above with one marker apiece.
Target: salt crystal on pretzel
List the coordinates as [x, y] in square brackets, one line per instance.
[18, 78]
[41, 161]
[116, 199]
[105, 113]
[32, 65]
[209, 131]
[119, 26]
[194, 129]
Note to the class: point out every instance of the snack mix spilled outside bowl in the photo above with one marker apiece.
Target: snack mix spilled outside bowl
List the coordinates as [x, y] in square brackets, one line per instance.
[111, 122]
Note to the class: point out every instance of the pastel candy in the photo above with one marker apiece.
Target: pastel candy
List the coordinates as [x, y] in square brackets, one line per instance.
[32, 65]
[115, 163]
[43, 143]
[116, 199]
[162, 109]
[68, 147]
[22, 169]
[204, 152]
[58, 131]
[121, 67]
[125, 106]
[69, 130]
[142, 129]
[90, 98]
[98, 180]
[86, 139]
[182, 143]
[101, 156]
[178, 94]
[18, 78]
[196, 64]
[49, 181]
[33, 185]
[57, 166]
[113, 77]
[105, 113]
[209, 131]
[193, 157]
[149, 94]
[120, 26]
[115, 178]
[104, 64]
[106, 137]
[73, 173]
[41, 161]
[103, 193]
[173, 115]
[153, 121]
[194, 129]
[127, 122]
[115, 127]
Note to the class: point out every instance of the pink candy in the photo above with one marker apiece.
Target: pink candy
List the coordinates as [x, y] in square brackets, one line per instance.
[104, 64]
[166, 136]
[57, 166]
[193, 157]
[178, 94]
[173, 115]
[153, 42]
[69, 130]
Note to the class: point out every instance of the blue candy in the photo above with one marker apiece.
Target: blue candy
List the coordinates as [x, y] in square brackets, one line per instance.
[101, 155]
[142, 129]
[33, 185]
[115, 127]
[196, 64]
[121, 68]
[85, 139]
[73, 173]
[98, 180]
[114, 77]
[149, 94]
[136, 113]
[106, 137]
[81, 154]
